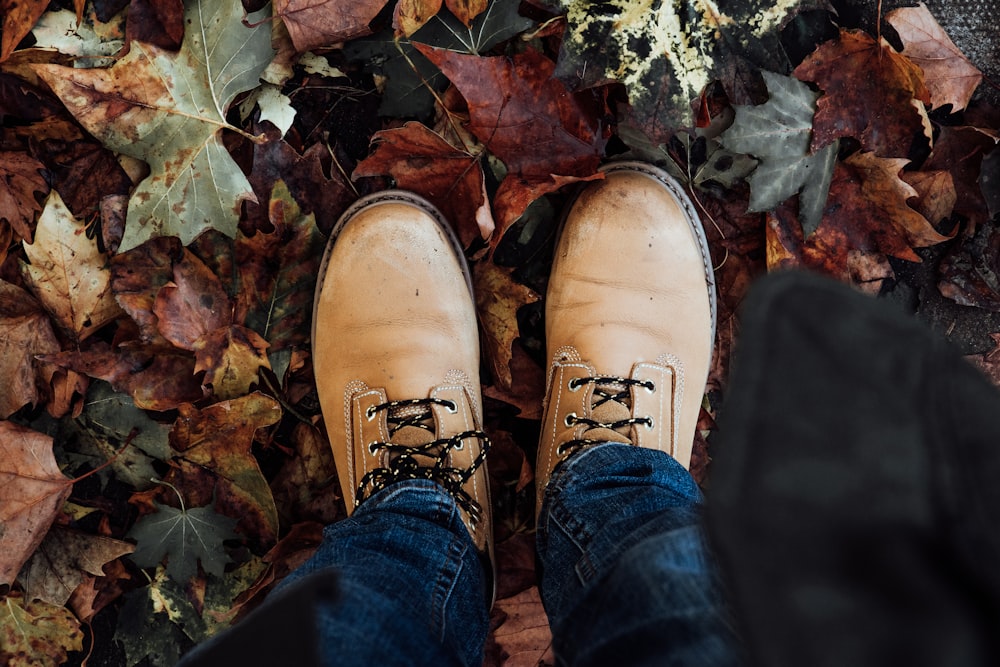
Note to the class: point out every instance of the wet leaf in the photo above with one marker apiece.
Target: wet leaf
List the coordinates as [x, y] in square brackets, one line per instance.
[32, 491]
[870, 92]
[36, 633]
[948, 74]
[68, 273]
[777, 133]
[167, 109]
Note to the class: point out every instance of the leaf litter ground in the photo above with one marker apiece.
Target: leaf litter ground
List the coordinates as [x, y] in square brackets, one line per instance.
[171, 170]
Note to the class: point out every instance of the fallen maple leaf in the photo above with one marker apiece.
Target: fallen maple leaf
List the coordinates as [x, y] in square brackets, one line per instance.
[870, 92]
[313, 24]
[960, 151]
[451, 178]
[63, 559]
[167, 109]
[948, 74]
[666, 52]
[305, 489]
[970, 273]
[32, 491]
[866, 218]
[513, 103]
[68, 273]
[214, 459]
[185, 537]
[778, 134]
[20, 179]
[936, 196]
[36, 633]
[25, 332]
[159, 22]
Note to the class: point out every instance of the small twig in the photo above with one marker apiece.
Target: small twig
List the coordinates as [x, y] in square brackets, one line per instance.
[285, 404]
[128, 441]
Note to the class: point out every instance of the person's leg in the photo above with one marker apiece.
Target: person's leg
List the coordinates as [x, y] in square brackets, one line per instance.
[396, 358]
[630, 318]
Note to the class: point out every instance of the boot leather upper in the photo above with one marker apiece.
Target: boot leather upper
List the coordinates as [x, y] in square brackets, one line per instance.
[395, 320]
[628, 296]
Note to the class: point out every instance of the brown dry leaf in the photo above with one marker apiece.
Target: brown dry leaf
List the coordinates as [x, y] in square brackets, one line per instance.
[524, 637]
[36, 633]
[214, 460]
[306, 487]
[936, 196]
[871, 92]
[866, 218]
[410, 15]
[515, 103]
[498, 298]
[20, 179]
[157, 378]
[159, 22]
[527, 385]
[138, 275]
[960, 151]
[19, 17]
[32, 491]
[192, 305]
[314, 24]
[63, 560]
[948, 74]
[466, 10]
[68, 273]
[25, 331]
[231, 358]
[451, 178]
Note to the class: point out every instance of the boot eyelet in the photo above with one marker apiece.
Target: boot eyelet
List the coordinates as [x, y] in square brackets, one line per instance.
[370, 412]
[451, 407]
[649, 423]
[561, 449]
[574, 385]
[650, 387]
[570, 419]
[373, 448]
[460, 446]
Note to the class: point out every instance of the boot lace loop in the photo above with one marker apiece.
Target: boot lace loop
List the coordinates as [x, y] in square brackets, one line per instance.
[423, 461]
[606, 388]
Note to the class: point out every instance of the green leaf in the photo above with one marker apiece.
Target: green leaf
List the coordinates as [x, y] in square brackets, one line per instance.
[168, 109]
[777, 133]
[185, 536]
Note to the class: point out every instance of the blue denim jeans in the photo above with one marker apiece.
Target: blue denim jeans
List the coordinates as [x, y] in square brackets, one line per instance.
[625, 573]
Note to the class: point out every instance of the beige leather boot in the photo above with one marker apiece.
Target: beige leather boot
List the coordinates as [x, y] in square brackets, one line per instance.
[396, 356]
[629, 319]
